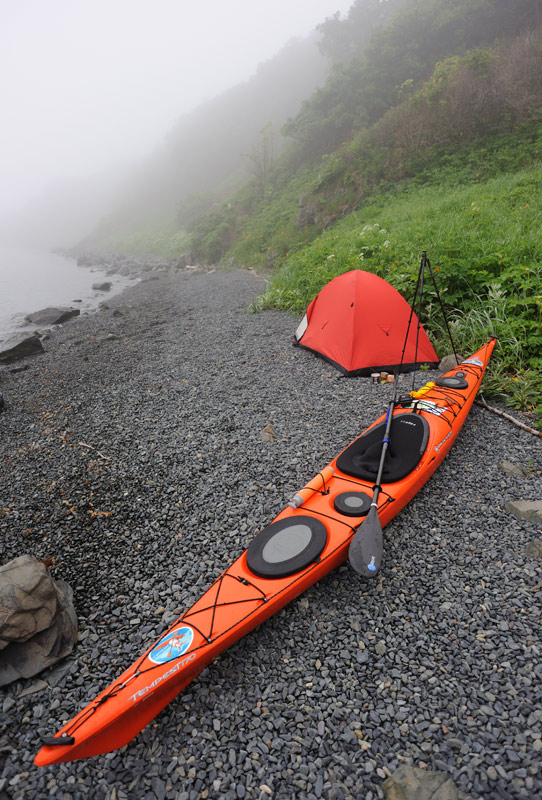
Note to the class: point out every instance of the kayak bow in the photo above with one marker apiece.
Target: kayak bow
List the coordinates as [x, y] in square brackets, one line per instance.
[308, 538]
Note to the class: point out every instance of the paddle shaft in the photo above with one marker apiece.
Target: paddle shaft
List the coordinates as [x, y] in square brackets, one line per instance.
[385, 444]
[365, 552]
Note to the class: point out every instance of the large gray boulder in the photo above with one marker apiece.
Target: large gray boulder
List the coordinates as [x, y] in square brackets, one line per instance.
[20, 347]
[38, 623]
[411, 783]
[185, 260]
[517, 470]
[534, 548]
[448, 363]
[52, 316]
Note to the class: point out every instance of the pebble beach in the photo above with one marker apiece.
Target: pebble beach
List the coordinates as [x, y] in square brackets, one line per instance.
[141, 453]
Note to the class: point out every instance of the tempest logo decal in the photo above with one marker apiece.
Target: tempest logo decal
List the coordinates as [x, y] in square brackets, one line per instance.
[175, 668]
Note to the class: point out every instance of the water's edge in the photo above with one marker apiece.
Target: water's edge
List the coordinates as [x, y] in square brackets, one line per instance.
[33, 280]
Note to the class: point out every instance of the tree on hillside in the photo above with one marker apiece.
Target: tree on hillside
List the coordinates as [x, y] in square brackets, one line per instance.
[261, 157]
[343, 39]
[519, 14]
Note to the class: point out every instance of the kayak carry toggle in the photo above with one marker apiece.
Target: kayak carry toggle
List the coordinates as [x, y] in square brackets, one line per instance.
[63, 740]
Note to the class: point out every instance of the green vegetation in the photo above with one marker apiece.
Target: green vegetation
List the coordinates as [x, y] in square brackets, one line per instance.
[163, 239]
[408, 38]
[477, 115]
[296, 209]
[454, 169]
[485, 247]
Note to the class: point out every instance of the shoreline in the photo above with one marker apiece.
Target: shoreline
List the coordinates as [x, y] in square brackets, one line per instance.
[172, 386]
[86, 299]
[110, 265]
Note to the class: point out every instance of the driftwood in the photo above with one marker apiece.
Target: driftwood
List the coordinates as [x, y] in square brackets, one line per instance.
[90, 447]
[483, 403]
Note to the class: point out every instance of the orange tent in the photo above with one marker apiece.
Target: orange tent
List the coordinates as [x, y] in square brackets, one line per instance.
[358, 322]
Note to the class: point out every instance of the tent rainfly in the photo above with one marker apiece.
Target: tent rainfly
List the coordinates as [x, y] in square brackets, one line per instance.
[358, 322]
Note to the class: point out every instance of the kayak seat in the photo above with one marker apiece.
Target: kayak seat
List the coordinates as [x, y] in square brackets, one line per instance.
[286, 547]
[408, 439]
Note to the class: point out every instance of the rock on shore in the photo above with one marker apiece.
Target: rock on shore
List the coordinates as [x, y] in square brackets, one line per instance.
[18, 347]
[135, 462]
[38, 624]
[52, 316]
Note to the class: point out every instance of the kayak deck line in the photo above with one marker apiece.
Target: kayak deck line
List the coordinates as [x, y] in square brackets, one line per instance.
[241, 598]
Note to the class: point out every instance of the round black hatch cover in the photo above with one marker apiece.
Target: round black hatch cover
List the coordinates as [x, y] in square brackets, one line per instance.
[353, 504]
[286, 547]
[456, 381]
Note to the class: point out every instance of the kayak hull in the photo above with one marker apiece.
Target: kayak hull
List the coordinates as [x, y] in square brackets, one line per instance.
[240, 600]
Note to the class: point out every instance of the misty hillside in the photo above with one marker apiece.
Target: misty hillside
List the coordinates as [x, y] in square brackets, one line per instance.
[380, 116]
[211, 145]
[426, 134]
[435, 79]
[204, 149]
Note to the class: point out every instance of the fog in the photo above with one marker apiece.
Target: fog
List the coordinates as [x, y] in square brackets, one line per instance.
[89, 87]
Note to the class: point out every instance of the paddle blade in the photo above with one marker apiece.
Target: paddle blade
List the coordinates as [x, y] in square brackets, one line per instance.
[365, 552]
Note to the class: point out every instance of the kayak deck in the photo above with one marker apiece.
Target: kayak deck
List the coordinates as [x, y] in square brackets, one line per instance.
[257, 585]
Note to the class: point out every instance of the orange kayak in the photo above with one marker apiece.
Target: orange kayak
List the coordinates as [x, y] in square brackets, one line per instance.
[305, 541]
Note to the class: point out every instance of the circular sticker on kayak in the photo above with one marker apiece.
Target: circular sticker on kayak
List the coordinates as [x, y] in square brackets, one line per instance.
[172, 646]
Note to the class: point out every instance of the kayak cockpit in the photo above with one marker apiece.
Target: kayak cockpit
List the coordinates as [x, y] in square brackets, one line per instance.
[408, 439]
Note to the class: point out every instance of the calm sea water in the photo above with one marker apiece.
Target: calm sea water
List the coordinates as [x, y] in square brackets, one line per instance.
[32, 279]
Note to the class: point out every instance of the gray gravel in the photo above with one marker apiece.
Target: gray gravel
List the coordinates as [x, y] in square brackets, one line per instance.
[132, 457]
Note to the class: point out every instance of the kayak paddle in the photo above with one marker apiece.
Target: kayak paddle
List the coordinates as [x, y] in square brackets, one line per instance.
[365, 553]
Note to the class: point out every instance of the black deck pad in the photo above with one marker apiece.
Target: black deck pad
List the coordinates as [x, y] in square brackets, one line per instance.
[408, 440]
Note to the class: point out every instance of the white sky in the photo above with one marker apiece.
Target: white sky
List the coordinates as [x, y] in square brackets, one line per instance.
[85, 84]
